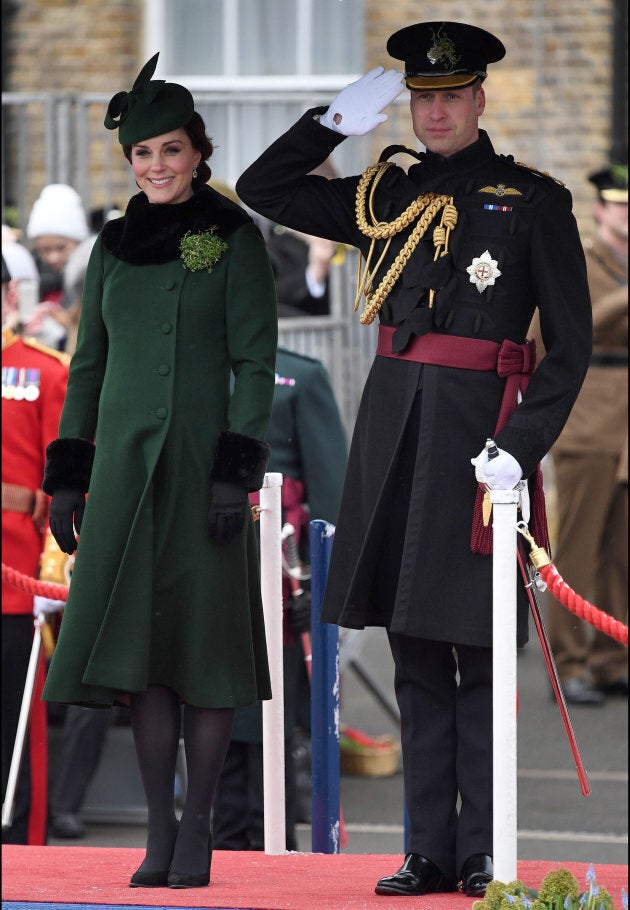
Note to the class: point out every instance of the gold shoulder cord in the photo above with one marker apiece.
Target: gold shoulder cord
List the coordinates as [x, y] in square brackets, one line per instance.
[424, 208]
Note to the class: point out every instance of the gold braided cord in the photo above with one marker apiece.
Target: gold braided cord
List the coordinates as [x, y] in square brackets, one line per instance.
[379, 230]
[441, 236]
[424, 209]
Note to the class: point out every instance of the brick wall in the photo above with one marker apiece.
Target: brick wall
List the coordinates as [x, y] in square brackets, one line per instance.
[72, 46]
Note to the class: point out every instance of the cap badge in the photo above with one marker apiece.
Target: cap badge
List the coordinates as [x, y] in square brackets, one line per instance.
[442, 49]
[500, 190]
[483, 271]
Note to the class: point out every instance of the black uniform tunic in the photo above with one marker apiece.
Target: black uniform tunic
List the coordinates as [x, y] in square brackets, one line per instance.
[402, 556]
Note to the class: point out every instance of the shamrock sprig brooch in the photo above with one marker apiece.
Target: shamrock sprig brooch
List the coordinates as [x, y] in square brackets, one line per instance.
[203, 250]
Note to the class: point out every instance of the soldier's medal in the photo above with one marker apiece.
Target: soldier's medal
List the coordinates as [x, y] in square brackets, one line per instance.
[20, 388]
[31, 390]
[483, 271]
[9, 379]
[486, 509]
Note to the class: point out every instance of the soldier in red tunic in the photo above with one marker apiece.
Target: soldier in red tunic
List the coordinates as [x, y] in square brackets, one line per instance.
[33, 387]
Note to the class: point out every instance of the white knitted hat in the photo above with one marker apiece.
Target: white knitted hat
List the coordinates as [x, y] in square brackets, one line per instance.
[58, 212]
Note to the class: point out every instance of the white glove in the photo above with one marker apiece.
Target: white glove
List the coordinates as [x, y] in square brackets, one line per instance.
[46, 605]
[357, 108]
[502, 472]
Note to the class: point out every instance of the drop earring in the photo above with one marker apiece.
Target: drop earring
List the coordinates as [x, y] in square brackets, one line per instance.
[194, 172]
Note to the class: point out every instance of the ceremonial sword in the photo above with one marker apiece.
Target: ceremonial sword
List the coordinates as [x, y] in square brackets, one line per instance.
[532, 583]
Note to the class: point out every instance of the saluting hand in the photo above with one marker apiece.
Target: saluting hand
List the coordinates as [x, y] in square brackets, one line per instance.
[357, 108]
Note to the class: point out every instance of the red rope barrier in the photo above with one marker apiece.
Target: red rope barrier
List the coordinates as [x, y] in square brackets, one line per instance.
[602, 621]
[33, 586]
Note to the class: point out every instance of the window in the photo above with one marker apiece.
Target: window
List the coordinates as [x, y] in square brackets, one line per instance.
[255, 65]
[263, 38]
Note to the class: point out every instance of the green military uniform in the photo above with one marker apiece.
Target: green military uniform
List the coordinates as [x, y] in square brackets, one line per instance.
[308, 445]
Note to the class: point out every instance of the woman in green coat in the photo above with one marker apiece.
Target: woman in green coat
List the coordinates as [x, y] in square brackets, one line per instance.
[164, 606]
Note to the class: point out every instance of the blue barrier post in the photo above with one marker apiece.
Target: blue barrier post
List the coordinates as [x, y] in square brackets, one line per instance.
[324, 701]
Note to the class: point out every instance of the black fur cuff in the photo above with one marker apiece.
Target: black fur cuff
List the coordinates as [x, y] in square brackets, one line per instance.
[68, 465]
[241, 459]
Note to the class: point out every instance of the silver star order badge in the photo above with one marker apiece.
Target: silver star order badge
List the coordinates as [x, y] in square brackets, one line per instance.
[483, 271]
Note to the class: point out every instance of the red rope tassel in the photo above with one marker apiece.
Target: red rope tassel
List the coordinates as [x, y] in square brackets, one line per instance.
[481, 539]
[481, 536]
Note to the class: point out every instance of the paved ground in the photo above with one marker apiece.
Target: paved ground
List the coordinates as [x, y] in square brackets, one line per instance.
[555, 822]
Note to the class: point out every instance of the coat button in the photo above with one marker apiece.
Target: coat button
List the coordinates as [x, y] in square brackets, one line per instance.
[166, 327]
[161, 413]
[169, 285]
[164, 369]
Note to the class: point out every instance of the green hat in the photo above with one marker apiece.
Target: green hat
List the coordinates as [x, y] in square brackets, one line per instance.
[151, 108]
[442, 55]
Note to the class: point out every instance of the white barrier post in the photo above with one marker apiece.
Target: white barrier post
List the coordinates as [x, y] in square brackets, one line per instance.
[504, 506]
[273, 710]
[8, 805]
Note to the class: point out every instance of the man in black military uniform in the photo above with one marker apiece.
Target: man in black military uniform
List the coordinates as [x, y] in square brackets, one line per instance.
[460, 251]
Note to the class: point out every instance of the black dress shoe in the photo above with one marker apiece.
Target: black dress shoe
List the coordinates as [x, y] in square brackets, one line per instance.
[66, 824]
[417, 875]
[578, 691]
[477, 873]
[618, 687]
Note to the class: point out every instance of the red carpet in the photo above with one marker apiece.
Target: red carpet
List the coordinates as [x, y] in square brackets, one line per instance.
[39, 878]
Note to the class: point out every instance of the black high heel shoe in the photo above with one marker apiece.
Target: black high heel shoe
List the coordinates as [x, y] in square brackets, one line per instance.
[141, 879]
[191, 879]
[146, 879]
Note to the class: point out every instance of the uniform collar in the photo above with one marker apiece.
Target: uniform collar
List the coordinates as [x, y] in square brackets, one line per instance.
[472, 156]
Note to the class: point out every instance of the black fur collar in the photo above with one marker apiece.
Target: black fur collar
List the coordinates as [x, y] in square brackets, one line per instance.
[150, 234]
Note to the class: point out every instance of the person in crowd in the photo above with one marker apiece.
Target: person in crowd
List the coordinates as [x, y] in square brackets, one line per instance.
[33, 387]
[459, 251]
[74, 270]
[57, 224]
[308, 447]
[301, 265]
[23, 290]
[165, 607]
[590, 467]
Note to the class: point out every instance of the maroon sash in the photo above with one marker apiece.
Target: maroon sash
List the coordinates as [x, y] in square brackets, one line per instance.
[515, 363]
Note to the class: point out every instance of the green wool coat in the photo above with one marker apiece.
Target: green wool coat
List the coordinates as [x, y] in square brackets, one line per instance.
[153, 599]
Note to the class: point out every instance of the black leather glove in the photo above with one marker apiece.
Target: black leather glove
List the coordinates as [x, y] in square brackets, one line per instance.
[66, 514]
[299, 612]
[227, 510]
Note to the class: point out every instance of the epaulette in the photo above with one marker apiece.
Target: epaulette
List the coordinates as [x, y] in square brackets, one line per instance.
[509, 159]
[61, 356]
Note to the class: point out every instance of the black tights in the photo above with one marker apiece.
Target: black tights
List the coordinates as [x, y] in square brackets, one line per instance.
[156, 724]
